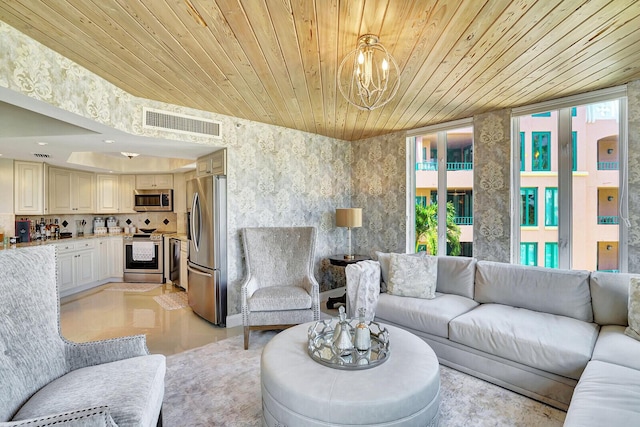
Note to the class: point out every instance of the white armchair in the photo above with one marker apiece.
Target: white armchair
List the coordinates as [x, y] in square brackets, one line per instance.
[47, 380]
[279, 289]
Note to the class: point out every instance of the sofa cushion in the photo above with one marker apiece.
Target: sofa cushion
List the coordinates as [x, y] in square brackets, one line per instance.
[456, 275]
[609, 297]
[556, 344]
[606, 395]
[130, 402]
[613, 346]
[411, 276]
[548, 290]
[429, 316]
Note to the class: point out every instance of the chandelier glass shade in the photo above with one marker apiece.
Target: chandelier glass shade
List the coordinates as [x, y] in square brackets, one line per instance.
[368, 76]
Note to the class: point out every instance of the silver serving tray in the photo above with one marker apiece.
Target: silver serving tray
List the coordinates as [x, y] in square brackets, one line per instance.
[321, 350]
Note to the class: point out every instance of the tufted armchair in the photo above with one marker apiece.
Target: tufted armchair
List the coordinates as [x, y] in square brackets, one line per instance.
[45, 379]
[279, 289]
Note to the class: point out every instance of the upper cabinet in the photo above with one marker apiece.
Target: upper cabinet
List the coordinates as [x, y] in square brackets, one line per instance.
[29, 193]
[127, 187]
[154, 182]
[108, 194]
[212, 164]
[71, 191]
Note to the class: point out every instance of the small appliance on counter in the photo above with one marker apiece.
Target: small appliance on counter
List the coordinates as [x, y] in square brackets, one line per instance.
[23, 231]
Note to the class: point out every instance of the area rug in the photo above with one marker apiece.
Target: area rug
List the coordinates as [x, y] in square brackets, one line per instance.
[219, 385]
[132, 287]
[172, 301]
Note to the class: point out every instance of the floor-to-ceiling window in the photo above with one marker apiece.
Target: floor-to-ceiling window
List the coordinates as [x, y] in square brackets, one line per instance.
[443, 186]
[569, 192]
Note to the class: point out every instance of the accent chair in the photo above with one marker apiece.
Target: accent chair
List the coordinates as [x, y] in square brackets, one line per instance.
[47, 380]
[279, 289]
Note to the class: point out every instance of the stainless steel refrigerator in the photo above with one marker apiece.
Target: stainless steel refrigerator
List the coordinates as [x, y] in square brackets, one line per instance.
[207, 232]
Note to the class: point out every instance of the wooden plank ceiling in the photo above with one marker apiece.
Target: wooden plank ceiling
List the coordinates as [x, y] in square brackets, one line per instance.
[275, 61]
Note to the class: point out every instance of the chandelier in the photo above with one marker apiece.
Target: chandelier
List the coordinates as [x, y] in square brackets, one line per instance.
[368, 76]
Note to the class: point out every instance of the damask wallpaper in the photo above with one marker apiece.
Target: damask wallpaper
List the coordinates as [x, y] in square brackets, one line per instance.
[633, 103]
[491, 183]
[379, 187]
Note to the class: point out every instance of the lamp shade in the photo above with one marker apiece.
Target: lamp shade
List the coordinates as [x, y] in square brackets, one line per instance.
[349, 217]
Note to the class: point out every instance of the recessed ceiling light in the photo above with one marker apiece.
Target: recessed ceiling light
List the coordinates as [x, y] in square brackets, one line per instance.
[109, 141]
[42, 143]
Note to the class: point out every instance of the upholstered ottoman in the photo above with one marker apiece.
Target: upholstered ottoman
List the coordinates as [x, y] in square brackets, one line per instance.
[298, 391]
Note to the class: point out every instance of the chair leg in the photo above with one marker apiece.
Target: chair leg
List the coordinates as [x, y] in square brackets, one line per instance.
[246, 337]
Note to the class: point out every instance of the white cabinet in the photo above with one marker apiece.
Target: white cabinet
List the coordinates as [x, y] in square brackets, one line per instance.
[154, 182]
[76, 265]
[71, 191]
[107, 194]
[127, 185]
[29, 194]
[212, 164]
[109, 261]
[184, 252]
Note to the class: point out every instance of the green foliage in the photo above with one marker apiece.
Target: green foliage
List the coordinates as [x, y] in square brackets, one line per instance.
[427, 228]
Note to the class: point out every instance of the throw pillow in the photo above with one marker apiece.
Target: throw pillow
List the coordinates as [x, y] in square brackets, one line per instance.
[385, 259]
[413, 276]
[633, 330]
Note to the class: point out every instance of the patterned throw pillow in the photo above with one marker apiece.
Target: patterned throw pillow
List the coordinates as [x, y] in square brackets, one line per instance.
[633, 330]
[385, 260]
[412, 276]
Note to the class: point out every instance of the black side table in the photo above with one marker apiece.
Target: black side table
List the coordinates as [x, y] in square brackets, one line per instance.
[340, 261]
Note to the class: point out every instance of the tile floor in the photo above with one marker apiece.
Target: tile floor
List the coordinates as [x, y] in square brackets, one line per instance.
[100, 314]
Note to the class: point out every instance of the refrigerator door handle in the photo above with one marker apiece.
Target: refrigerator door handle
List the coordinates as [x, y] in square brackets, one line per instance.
[195, 216]
[201, 273]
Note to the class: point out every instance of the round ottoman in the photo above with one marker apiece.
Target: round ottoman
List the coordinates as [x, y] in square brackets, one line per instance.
[297, 391]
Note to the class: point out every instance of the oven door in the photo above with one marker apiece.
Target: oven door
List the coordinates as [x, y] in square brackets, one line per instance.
[132, 265]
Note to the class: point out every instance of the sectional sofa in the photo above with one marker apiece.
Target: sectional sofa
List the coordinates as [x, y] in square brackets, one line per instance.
[553, 335]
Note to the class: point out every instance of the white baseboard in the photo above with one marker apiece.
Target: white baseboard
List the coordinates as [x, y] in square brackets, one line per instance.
[236, 319]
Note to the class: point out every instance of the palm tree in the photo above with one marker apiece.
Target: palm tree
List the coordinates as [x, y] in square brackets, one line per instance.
[427, 228]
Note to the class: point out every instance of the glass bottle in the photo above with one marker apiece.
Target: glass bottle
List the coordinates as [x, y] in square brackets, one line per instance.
[362, 339]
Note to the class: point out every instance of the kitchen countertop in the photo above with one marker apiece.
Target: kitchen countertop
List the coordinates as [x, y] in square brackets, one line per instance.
[77, 238]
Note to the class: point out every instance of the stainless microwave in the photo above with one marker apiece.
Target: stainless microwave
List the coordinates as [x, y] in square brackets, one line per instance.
[153, 200]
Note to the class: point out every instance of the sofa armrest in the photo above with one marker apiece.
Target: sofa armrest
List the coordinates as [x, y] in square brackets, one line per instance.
[80, 355]
[90, 417]
[363, 288]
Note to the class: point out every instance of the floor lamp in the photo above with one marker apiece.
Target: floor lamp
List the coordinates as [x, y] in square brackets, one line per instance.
[350, 218]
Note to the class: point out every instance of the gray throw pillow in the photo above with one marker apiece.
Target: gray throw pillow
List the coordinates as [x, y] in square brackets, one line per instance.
[412, 276]
[633, 330]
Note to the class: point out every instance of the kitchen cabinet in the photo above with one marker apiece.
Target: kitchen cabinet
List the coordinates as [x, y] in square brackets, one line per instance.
[110, 253]
[71, 191]
[76, 265]
[184, 253]
[212, 164]
[127, 185]
[107, 194]
[154, 182]
[29, 188]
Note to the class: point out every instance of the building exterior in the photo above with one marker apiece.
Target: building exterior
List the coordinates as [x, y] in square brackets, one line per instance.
[595, 181]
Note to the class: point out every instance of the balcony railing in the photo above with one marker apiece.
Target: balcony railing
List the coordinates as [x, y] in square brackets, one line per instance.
[427, 166]
[451, 166]
[459, 166]
[607, 166]
[610, 271]
[463, 220]
[607, 219]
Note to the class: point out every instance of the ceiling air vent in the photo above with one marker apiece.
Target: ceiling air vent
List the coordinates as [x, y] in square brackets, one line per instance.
[41, 156]
[166, 120]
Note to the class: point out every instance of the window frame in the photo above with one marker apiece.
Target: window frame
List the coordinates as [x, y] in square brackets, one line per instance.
[548, 207]
[533, 151]
[524, 192]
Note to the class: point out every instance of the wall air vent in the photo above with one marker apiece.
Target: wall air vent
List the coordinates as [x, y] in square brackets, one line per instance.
[41, 156]
[167, 120]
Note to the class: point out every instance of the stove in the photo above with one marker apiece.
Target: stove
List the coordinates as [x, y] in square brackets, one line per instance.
[143, 258]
